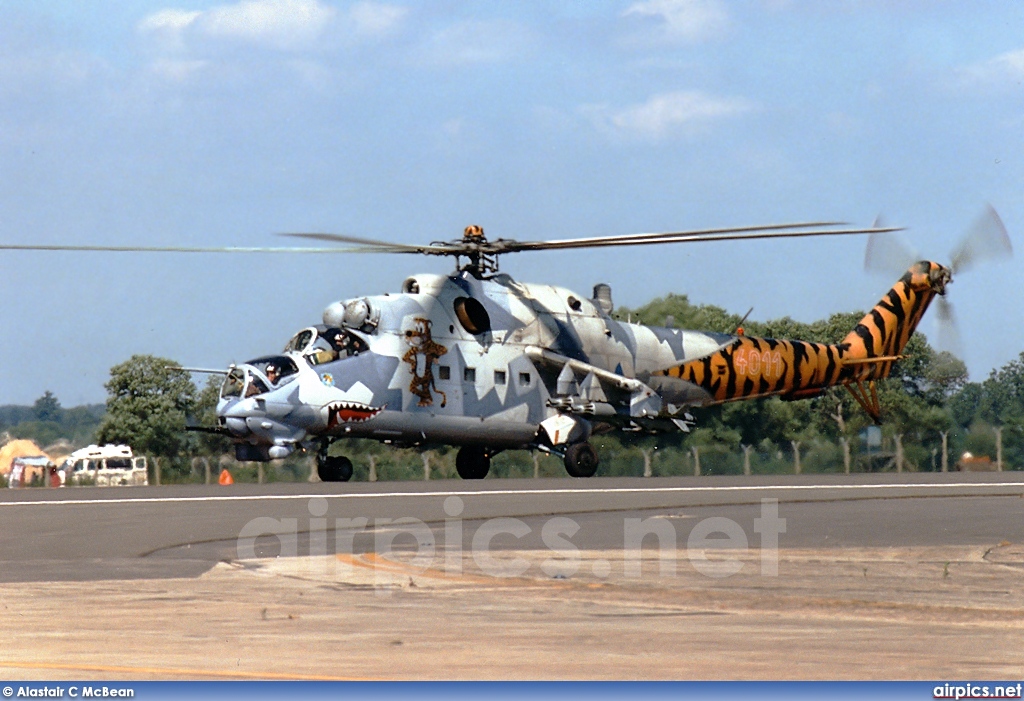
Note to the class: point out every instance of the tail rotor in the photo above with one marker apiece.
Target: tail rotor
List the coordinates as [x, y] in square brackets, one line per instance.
[985, 240]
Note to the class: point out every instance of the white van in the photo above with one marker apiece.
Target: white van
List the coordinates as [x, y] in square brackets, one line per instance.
[105, 466]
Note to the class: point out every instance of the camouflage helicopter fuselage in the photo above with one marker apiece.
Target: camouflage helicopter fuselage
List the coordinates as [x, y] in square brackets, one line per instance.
[489, 364]
[460, 360]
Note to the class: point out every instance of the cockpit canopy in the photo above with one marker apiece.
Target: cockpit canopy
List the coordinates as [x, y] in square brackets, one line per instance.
[324, 344]
[259, 376]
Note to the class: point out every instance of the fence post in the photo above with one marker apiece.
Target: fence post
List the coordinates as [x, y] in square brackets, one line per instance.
[945, 450]
[796, 456]
[999, 448]
[696, 460]
[373, 468]
[259, 473]
[646, 452]
[425, 456]
[898, 438]
[845, 442]
[746, 458]
[536, 464]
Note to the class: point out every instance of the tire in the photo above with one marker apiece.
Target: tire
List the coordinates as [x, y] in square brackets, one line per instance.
[334, 469]
[581, 460]
[472, 462]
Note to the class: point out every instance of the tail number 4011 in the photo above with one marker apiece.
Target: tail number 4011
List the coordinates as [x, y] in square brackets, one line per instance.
[752, 363]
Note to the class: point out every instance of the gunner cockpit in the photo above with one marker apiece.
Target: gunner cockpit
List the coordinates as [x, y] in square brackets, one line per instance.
[324, 344]
[258, 376]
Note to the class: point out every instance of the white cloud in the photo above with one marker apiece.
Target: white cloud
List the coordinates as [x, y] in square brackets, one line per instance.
[682, 20]
[478, 41]
[168, 20]
[687, 111]
[281, 24]
[1006, 68]
[376, 19]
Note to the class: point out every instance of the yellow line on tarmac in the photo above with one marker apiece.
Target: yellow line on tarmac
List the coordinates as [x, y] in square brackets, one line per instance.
[177, 672]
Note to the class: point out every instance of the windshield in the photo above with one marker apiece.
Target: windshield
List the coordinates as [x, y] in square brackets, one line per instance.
[233, 384]
[269, 372]
[300, 341]
[325, 344]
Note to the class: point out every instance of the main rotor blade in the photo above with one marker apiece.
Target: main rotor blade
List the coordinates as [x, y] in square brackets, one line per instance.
[373, 245]
[620, 239]
[682, 237]
[985, 240]
[176, 249]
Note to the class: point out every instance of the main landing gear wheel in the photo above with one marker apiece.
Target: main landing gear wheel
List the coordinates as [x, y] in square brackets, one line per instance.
[581, 460]
[336, 468]
[472, 462]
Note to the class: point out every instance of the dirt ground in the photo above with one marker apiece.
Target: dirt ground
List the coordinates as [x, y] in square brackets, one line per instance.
[911, 613]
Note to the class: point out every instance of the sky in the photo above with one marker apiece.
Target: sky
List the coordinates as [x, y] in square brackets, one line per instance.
[183, 122]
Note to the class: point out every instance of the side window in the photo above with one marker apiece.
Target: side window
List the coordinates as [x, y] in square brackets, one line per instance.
[499, 377]
[444, 372]
[524, 379]
[469, 374]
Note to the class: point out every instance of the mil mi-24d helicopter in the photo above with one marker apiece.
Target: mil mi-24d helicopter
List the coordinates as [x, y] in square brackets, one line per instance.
[478, 360]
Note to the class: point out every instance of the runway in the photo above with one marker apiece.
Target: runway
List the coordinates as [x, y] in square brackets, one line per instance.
[102, 533]
[711, 577]
[90, 533]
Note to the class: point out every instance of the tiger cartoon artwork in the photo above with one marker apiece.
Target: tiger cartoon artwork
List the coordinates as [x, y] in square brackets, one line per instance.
[422, 354]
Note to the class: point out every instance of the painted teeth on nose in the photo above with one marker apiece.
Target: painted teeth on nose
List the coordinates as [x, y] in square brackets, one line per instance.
[350, 412]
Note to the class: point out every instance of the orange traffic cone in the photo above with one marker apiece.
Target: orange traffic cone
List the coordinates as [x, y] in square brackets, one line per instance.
[225, 477]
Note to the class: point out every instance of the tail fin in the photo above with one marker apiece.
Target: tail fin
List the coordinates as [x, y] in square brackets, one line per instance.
[887, 328]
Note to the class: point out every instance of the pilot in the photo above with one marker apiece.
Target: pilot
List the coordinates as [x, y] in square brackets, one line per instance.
[272, 374]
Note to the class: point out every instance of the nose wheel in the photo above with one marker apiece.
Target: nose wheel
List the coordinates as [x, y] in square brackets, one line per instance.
[581, 460]
[473, 462]
[332, 468]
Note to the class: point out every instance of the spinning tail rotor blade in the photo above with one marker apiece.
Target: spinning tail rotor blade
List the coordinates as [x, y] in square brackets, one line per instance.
[889, 255]
[949, 331]
[985, 240]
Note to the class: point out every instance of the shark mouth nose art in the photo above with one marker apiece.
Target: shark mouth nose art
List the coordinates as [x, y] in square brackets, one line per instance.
[350, 412]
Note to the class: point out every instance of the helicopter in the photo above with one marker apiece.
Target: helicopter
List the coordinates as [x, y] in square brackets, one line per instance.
[481, 361]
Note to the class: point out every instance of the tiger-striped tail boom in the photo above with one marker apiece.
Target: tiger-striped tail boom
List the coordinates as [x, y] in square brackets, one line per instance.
[751, 367]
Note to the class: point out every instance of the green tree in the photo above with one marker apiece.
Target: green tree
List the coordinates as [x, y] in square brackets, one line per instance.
[1002, 400]
[47, 408]
[147, 405]
[705, 317]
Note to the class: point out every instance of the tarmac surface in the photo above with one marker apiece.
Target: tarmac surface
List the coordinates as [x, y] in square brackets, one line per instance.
[911, 576]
